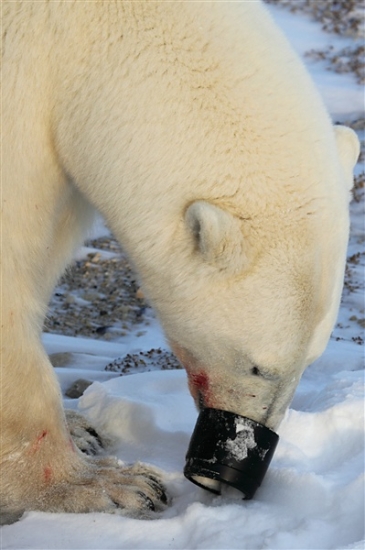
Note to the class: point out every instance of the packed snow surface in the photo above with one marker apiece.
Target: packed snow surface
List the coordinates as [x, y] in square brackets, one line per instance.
[313, 494]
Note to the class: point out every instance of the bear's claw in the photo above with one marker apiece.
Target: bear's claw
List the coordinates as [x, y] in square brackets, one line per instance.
[84, 435]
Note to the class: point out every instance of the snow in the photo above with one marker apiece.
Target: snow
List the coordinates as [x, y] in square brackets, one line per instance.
[313, 494]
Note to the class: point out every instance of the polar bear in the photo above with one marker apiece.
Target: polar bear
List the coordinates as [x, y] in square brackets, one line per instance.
[197, 133]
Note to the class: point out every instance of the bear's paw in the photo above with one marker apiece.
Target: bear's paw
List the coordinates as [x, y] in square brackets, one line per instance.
[102, 485]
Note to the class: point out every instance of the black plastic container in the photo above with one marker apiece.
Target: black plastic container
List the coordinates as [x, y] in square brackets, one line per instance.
[231, 449]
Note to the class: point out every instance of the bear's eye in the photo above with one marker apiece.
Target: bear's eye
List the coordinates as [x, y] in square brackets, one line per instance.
[265, 374]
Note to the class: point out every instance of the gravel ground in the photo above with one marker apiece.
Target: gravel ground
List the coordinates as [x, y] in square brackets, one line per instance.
[344, 17]
[142, 361]
[100, 298]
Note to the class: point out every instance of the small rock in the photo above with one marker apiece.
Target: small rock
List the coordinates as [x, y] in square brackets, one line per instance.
[69, 298]
[61, 359]
[77, 389]
[102, 330]
[140, 294]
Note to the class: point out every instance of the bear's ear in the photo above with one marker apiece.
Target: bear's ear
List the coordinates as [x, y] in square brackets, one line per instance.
[348, 146]
[217, 236]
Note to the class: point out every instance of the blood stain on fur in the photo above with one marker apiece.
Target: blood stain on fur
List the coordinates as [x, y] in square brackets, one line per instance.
[37, 443]
[47, 473]
[200, 381]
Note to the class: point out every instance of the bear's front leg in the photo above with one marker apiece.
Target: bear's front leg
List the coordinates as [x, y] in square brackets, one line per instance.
[42, 469]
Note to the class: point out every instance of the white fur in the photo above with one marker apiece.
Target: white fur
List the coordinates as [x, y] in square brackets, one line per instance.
[198, 134]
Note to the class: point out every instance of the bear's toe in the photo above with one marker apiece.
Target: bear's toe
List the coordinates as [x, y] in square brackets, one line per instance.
[84, 435]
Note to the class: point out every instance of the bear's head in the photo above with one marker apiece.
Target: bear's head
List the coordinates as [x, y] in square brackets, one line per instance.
[255, 297]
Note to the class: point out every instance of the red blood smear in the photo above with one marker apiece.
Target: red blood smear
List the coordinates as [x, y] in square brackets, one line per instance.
[40, 437]
[37, 443]
[47, 472]
[200, 381]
